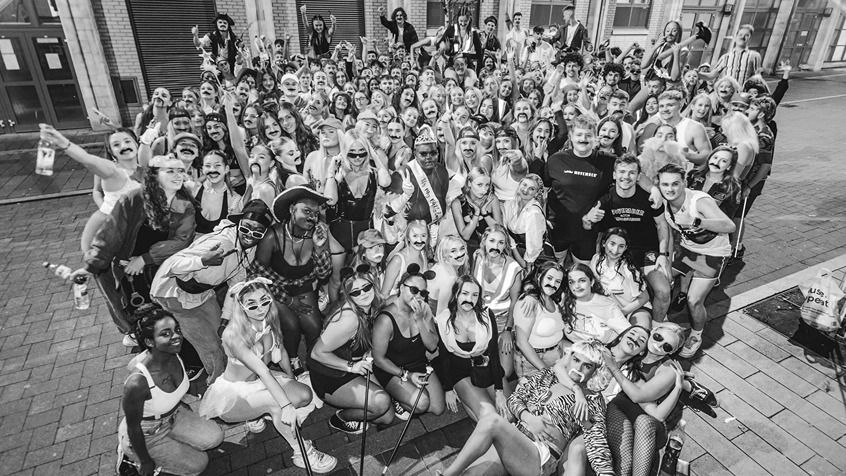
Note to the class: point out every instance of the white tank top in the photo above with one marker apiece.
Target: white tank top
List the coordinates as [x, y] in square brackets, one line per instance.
[162, 402]
[683, 131]
[718, 246]
[504, 186]
[111, 198]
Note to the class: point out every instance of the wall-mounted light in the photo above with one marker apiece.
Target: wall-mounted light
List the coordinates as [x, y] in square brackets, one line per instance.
[728, 8]
[827, 12]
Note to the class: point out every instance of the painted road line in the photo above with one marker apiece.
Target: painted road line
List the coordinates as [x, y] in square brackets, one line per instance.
[813, 99]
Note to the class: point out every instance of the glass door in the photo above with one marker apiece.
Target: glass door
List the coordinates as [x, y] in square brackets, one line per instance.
[37, 80]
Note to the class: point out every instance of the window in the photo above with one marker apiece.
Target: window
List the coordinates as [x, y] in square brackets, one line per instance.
[546, 12]
[434, 14]
[837, 50]
[762, 14]
[632, 13]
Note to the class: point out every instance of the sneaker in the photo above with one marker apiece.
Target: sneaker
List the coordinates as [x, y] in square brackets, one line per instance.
[703, 32]
[691, 346]
[399, 412]
[319, 461]
[129, 341]
[349, 427]
[679, 303]
[297, 366]
[256, 426]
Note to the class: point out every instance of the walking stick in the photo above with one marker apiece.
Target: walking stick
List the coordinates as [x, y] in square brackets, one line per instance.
[407, 422]
[364, 432]
[740, 228]
[301, 443]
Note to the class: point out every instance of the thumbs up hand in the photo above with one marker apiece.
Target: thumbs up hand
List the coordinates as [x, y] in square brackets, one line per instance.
[596, 214]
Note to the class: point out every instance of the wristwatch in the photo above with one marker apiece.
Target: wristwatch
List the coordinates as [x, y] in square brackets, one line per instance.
[697, 221]
[349, 366]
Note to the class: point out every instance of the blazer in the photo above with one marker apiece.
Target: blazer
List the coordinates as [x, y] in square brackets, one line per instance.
[578, 38]
[409, 34]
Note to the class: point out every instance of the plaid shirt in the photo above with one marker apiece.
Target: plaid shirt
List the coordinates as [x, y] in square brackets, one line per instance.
[322, 268]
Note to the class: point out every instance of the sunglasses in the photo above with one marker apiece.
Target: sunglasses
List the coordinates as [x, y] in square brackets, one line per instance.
[364, 289]
[261, 304]
[666, 346]
[415, 291]
[353, 155]
[251, 233]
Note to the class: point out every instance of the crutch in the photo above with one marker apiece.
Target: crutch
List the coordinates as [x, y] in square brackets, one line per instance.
[407, 422]
[740, 228]
[302, 446]
[364, 431]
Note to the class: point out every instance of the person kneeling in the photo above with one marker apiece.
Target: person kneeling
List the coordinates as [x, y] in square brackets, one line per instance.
[158, 433]
[248, 390]
[545, 406]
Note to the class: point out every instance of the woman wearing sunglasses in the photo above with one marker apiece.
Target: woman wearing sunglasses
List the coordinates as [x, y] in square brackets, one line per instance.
[640, 417]
[351, 188]
[248, 390]
[339, 363]
[402, 334]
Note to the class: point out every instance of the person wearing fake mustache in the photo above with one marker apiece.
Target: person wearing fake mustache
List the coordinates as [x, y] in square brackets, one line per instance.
[403, 332]
[547, 422]
[215, 197]
[451, 261]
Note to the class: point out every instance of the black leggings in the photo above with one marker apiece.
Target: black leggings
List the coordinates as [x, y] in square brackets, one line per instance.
[295, 324]
[634, 437]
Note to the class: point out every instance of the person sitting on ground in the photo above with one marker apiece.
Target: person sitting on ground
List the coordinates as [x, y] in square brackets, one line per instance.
[547, 421]
[158, 433]
[588, 312]
[621, 278]
[248, 390]
[401, 362]
[340, 361]
[538, 322]
[468, 353]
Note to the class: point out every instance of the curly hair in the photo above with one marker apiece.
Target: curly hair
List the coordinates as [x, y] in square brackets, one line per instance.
[156, 206]
[147, 316]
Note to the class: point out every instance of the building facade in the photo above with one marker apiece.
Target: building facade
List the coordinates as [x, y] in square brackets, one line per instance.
[62, 60]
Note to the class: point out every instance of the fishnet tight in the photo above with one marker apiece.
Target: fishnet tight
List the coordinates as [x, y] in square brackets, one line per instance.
[633, 444]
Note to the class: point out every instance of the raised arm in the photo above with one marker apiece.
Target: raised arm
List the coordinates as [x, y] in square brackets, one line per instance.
[105, 169]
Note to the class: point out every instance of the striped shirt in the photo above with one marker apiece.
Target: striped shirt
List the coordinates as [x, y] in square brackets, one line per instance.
[740, 64]
[534, 394]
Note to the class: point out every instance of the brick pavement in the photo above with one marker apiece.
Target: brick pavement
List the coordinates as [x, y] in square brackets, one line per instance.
[62, 370]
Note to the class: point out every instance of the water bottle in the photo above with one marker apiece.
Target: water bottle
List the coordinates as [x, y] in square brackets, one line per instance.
[81, 300]
[672, 451]
[45, 158]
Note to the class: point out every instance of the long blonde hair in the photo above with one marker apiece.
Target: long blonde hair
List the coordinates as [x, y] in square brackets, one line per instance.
[739, 130]
[240, 322]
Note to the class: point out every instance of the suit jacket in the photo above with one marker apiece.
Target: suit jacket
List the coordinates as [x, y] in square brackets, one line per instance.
[578, 38]
[409, 34]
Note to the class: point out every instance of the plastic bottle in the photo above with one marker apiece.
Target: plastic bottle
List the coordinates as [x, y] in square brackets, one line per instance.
[673, 450]
[81, 300]
[45, 158]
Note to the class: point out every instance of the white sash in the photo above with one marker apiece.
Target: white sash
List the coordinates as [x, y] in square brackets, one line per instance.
[427, 191]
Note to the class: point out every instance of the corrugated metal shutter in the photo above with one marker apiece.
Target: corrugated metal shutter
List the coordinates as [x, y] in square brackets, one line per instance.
[163, 35]
[348, 13]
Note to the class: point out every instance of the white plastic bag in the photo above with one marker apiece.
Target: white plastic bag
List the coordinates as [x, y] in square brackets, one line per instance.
[822, 297]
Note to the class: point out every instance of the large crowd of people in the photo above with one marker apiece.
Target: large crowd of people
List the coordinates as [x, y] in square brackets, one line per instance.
[501, 225]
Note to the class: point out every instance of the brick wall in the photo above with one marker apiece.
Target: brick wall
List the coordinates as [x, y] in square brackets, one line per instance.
[657, 19]
[121, 53]
[416, 10]
[236, 10]
[373, 27]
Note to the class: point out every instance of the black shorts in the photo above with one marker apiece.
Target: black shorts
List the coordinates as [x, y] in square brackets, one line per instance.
[582, 250]
[643, 258]
[325, 385]
[703, 266]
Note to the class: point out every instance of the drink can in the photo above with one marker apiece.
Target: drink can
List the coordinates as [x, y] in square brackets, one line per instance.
[45, 159]
[81, 299]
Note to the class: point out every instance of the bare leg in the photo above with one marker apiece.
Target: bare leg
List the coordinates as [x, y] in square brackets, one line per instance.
[641, 317]
[473, 397]
[405, 393]
[576, 464]
[660, 294]
[699, 289]
[350, 398]
[517, 453]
